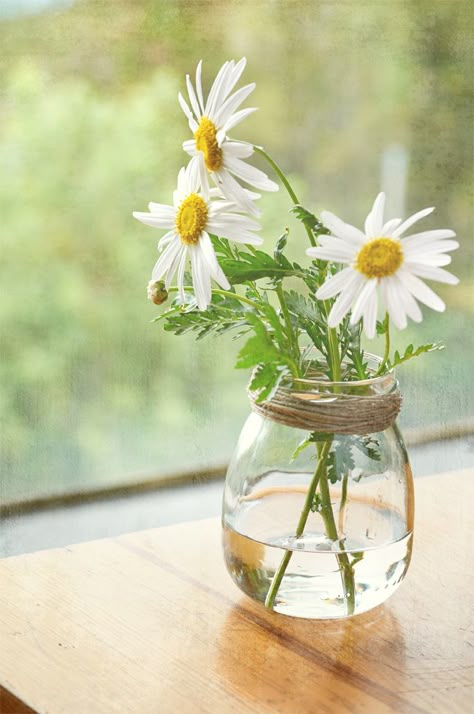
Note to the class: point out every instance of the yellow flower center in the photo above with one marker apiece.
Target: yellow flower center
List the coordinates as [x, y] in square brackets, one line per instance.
[206, 141]
[379, 258]
[191, 219]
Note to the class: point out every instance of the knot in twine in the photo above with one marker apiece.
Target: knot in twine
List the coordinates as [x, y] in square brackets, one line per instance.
[314, 409]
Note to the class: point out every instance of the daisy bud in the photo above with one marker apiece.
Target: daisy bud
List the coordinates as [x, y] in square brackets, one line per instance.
[157, 292]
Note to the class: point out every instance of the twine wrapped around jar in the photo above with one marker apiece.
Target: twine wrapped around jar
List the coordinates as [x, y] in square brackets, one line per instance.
[314, 407]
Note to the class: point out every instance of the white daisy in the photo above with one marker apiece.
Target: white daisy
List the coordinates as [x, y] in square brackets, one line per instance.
[381, 258]
[210, 120]
[189, 221]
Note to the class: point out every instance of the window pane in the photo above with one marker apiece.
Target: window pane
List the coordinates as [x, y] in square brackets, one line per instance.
[92, 393]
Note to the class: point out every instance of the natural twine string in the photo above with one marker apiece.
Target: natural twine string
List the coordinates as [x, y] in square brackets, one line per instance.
[331, 413]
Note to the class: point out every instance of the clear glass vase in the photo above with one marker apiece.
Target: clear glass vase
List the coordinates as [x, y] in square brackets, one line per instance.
[319, 524]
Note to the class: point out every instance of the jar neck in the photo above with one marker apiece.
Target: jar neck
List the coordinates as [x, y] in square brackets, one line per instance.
[316, 381]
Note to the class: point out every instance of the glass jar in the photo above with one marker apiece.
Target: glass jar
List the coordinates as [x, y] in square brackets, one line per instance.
[319, 524]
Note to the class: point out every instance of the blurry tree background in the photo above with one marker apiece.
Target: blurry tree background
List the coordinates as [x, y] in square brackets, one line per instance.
[353, 97]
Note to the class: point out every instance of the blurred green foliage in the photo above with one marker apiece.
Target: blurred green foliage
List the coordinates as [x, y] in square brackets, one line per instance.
[91, 129]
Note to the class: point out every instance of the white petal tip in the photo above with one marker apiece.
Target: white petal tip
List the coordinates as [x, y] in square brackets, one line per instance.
[332, 322]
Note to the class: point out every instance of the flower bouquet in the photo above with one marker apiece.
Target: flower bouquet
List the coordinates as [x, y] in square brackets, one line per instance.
[318, 503]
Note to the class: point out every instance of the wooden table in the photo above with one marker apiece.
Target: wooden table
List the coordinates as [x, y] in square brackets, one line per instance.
[150, 623]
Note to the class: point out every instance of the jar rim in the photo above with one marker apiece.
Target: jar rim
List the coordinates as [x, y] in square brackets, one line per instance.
[383, 382]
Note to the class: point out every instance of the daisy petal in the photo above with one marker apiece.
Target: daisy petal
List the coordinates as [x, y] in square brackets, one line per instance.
[233, 190]
[410, 305]
[334, 284]
[410, 221]
[190, 147]
[201, 277]
[193, 175]
[232, 76]
[435, 259]
[238, 149]
[393, 303]
[250, 174]
[420, 291]
[167, 238]
[341, 229]
[390, 226]
[180, 279]
[344, 301]
[193, 98]
[154, 221]
[236, 73]
[211, 259]
[192, 122]
[166, 259]
[162, 208]
[238, 220]
[434, 273]
[425, 248]
[427, 237]
[360, 304]
[374, 221]
[199, 86]
[214, 89]
[237, 118]
[231, 104]
[370, 316]
[338, 245]
[333, 254]
[174, 266]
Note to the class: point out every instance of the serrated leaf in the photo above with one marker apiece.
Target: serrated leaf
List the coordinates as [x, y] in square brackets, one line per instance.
[411, 352]
[260, 351]
[309, 219]
[222, 315]
[255, 266]
[280, 247]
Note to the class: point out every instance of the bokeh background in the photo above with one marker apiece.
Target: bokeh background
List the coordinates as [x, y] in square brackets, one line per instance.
[353, 97]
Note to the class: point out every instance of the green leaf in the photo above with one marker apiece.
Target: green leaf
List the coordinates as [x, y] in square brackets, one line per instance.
[309, 220]
[411, 352]
[259, 348]
[280, 247]
[301, 447]
[222, 247]
[255, 266]
[222, 315]
[368, 446]
[266, 379]
[307, 316]
[260, 351]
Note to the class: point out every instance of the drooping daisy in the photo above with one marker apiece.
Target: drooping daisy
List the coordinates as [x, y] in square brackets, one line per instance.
[189, 221]
[210, 120]
[381, 258]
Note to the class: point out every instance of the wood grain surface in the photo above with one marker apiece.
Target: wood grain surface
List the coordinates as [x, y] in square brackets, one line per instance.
[150, 623]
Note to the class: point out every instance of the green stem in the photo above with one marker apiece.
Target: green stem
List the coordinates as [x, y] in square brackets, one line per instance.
[286, 184]
[292, 336]
[333, 344]
[334, 356]
[260, 150]
[334, 359]
[342, 506]
[277, 578]
[386, 353]
[345, 568]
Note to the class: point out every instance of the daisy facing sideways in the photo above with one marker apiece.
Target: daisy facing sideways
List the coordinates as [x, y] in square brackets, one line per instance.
[189, 221]
[210, 120]
[380, 258]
